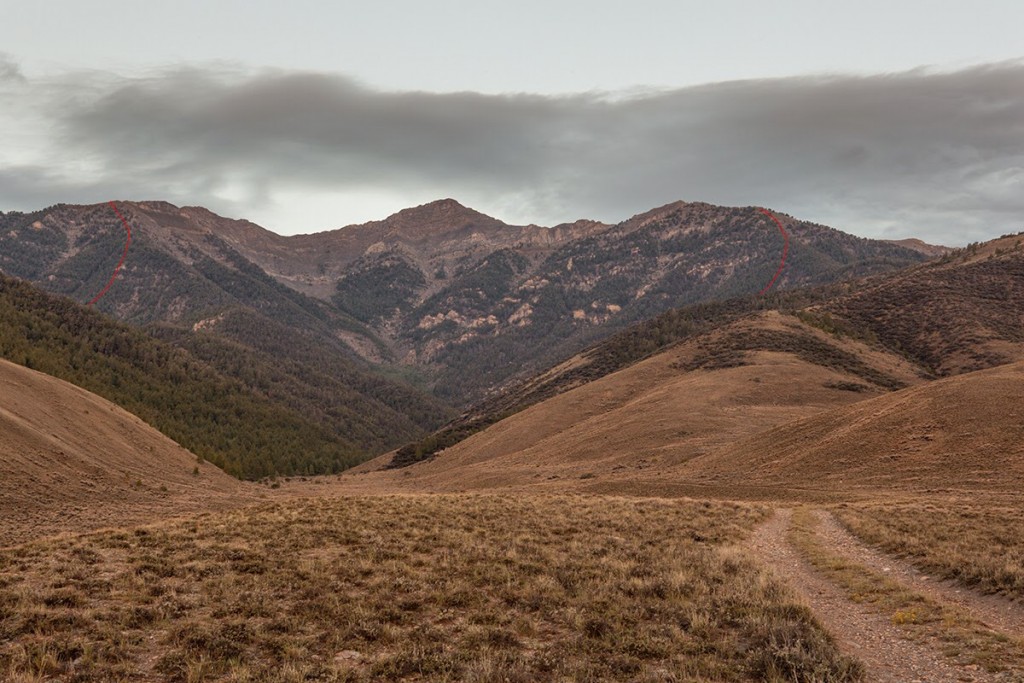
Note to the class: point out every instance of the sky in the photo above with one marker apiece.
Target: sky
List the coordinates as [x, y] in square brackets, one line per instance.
[882, 119]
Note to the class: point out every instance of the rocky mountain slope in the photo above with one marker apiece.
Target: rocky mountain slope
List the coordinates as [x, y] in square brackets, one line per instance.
[439, 292]
[477, 318]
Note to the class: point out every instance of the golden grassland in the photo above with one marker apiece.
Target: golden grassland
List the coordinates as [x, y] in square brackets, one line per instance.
[954, 632]
[975, 545]
[439, 588]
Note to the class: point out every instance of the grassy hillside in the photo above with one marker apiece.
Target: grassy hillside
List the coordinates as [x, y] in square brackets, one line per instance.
[615, 353]
[645, 420]
[215, 416]
[963, 432]
[70, 460]
[964, 312]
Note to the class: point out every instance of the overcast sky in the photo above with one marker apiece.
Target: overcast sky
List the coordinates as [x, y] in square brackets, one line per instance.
[883, 119]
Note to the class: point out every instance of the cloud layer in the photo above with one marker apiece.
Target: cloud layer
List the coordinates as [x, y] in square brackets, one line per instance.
[937, 155]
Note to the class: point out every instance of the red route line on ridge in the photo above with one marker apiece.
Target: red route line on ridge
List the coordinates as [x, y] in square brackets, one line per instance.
[124, 254]
[785, 250]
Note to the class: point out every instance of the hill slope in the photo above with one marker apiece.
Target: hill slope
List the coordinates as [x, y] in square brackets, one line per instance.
[214, 415]
[959, 433]
[964, 312]
[71, 460]
[663, 411]
[777, 424]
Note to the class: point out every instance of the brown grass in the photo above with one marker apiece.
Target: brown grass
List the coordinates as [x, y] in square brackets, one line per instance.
[72, 461]
[977, 546]
[644, 422]
[469, 588]
[953, 436]
[950, 629]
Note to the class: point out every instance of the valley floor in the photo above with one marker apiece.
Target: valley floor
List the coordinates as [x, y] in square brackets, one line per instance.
[525, 587]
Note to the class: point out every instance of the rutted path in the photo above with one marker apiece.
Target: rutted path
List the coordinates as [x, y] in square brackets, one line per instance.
[993, 611]
[860, 631]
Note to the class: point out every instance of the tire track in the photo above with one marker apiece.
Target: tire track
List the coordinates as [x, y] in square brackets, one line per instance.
[860, 632]
[993, 611]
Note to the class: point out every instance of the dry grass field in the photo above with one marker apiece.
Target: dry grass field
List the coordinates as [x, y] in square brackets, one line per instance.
[468, 588]
[981, 546]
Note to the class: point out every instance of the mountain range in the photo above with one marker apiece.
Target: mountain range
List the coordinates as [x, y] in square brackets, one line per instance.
[439, 296]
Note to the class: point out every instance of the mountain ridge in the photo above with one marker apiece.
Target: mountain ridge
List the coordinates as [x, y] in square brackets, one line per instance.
[439, 292]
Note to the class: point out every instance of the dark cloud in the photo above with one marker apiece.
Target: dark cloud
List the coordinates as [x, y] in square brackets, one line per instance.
[939, 155]
[9, 69]
[29, 187]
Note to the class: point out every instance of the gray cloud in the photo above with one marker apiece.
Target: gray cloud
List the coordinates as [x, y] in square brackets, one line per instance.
[938, 155]
[9, 69]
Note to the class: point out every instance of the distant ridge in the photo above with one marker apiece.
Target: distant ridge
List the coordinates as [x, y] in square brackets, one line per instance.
[373, 333]
[930, 250]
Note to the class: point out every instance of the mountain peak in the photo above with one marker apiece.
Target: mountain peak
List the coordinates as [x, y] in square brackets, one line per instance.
[437, 207]
[447, 203]
[438, 218]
